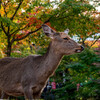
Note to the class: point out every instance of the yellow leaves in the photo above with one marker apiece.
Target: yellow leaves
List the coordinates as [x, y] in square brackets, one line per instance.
[2, 46]
[9, 15]
[14, 5]
[28, 48]
[89, 43]
[2, 11]
[24, 42]
[1, 54]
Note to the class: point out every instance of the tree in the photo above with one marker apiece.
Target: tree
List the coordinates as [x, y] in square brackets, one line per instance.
[79, 70]
[16, 16]
[21, 18]
[81, 19]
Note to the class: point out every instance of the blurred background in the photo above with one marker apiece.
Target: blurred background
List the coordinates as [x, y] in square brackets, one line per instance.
[78, 75]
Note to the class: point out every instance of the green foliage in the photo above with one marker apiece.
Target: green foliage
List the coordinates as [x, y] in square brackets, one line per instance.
[19, 17]
[68, 11]
[78, 68]
[8, 22]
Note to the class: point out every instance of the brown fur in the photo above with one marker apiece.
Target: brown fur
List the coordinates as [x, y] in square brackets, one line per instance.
[28, 76]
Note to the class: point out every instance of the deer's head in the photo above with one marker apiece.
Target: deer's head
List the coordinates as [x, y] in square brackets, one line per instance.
[62, 42]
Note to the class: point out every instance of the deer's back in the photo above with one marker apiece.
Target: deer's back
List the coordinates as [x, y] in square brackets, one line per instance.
[15, 63]
[7, 60]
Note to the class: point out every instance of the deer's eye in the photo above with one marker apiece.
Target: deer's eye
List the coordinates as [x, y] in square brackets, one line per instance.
[65, 38]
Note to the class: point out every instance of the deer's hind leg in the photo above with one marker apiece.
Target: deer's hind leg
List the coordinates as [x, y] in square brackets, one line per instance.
[4, 95]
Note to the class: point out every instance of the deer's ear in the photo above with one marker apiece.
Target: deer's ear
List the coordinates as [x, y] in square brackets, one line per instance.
[66, 31]
[48, 31]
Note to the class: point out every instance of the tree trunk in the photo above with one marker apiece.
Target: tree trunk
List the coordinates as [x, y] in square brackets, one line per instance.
[9, 47]
[83, 43]
[9, 50]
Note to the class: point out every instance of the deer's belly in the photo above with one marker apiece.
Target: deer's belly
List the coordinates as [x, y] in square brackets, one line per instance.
[15, 90]
[15, 93]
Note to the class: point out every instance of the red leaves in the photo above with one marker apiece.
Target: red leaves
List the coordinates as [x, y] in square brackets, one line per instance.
[23, 33]
[31, 22]
[35, 21]
[38, 26]
[98, 28]
[50, 26]
[19, 36]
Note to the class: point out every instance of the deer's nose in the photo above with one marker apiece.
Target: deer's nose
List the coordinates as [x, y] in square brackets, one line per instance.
[82, 48]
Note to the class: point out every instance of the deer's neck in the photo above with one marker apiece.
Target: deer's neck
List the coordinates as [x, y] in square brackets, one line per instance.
[52, 60]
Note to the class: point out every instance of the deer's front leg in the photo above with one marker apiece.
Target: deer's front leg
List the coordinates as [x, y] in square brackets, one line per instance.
[28, 93]
[36, 96]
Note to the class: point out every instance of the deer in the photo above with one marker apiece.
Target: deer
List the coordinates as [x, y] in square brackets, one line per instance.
[28, 76]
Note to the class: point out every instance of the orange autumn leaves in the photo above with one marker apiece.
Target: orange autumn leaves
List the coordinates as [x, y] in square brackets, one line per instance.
[89, 43]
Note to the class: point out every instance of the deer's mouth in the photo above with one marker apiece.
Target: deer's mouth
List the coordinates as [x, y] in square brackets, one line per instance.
[79, 50]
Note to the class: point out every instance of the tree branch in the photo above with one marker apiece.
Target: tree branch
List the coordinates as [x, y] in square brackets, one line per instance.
[5, 10]
[4, 6]
[18, 30]
[95, 41]
[0, 4]
[16, 10]
[6, 3]
[18, 39]
[3, 29]
[8, 30]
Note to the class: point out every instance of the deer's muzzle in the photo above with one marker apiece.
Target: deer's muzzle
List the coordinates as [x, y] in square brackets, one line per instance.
[80, 50]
